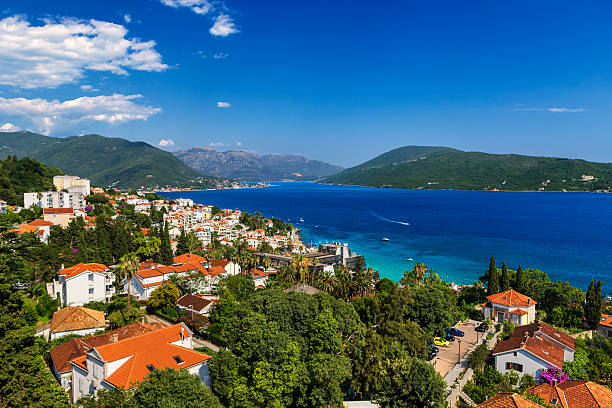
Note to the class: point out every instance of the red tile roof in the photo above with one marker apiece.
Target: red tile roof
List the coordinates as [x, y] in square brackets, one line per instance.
[74, 348]
[193, 302]
[519, 312]
[574, 394]
[189, 258]
[40, 223]
[77, 318]
[82, 267]
[58, 211]
[219, 262]
[547, 330]
[511, 298]
[606, 320]
[508, 400]
[152, 348]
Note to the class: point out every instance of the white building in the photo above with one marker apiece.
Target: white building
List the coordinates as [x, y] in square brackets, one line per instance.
[145, 281]
[83, 283]
[510, 305]
[54, 199]
[72, 184]
[125, 363]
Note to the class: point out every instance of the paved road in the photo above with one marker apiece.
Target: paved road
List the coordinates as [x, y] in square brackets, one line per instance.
[198, 342]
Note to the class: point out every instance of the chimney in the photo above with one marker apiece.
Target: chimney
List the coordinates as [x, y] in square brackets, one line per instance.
[529, 301]
[182, 334]
[62, 266]
[114, 338]
[142, 320]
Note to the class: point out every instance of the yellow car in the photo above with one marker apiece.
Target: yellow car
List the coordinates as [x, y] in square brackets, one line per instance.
[439, 341]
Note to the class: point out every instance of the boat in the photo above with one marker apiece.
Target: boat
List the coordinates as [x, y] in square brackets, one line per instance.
[409, 259]
[385, 239]
[301, 220]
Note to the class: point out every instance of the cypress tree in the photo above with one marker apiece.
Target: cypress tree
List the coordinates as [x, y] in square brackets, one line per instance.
[166, 247]
[593, 305]
[492, 278]
[505, 279]
[519, 283]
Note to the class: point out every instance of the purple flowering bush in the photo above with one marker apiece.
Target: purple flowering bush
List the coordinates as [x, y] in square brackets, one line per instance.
[554, 375]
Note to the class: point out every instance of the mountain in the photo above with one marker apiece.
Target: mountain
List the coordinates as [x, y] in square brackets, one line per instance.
[246, 166]
[105, 161]
[18, 176]
[430, 167]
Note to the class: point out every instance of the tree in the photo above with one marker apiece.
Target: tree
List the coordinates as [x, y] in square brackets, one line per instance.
[165, 250]
[519, 283]
[164, 297]
[165, 388]
[187, 242]
[410, 383]
[128, 266]
[593, 305]
[492, 278]
[505, 279]
[240, 286]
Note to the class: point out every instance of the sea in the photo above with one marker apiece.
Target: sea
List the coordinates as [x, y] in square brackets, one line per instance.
[567, 235]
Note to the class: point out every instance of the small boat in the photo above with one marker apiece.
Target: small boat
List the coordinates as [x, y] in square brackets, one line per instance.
[385, 239]
[301, 220]
[409, 259]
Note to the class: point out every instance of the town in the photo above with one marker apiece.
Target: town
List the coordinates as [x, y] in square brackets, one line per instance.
[142, 286]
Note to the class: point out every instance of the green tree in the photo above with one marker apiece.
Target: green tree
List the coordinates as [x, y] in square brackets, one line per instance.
[164, 297]
[165, 250]
[593, 305]
[128, 266]
[504, 283]
[240, 286]
[492, 278]
[519, 284]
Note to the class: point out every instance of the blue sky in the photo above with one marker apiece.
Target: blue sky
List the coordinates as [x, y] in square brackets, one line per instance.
[337, 81]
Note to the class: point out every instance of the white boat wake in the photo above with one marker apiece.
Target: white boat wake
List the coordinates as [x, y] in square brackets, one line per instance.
[388, 220]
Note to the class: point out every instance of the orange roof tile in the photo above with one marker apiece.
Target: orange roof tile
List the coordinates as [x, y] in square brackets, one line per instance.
[606, 320]
[58, 211]
[77, 318]
[528, 338]
[511, 298]
[82, 267]
[574, 394]
[519, 312]
[40, 223]
[508, 400]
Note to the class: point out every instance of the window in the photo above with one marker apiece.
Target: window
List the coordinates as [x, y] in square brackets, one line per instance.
[150, 367]
[91, 291]
[515, 354]
[91, 277]
[81, 386]
[178, 359]
[514, 366]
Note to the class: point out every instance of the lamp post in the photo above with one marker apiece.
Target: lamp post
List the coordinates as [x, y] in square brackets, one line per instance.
[459, 341]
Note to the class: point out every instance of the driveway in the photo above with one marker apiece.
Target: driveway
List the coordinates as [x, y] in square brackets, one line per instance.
[449, 356]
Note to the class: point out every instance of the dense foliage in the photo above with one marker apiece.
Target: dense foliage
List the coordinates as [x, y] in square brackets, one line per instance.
[18, 176]
[444, 168]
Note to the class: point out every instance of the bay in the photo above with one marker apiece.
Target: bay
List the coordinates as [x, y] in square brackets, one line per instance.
[567, 235]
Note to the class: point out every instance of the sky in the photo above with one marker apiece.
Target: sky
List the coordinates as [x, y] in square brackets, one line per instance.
[338, 81]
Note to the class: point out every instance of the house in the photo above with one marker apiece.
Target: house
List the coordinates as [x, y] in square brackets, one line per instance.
[61, 355]
[605, 325]
[83, 283]
[125, 363]
[510, 305]
[59, 216]
[532, 349]
[573, 394]
[231, 268]
[195, 304]
[73, 320]
[508, 400]
[146, 280]
[260, 278]
[54, 199]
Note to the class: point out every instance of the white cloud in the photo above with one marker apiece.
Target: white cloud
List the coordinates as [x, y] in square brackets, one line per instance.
[220, 55]
[166, 143]
[556, 110]
[238, 143]
[47, 116]
[88, 88]
[223, 26]
[217, 144]
[59, 52]
[127, 18]
[197, 6]
[9, 127]
[223, 104]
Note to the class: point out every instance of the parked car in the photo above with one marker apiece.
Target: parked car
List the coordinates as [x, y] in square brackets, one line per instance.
[455, 332]
[449, 337]
[431, 355]
[433, 348]
[439, 341]
[482, 328]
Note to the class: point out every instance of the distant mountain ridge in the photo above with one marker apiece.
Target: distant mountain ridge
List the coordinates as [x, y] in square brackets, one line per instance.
[245, 166]
[433, 167]
[105, 161]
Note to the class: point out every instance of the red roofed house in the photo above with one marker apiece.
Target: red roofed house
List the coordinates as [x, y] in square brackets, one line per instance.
[605, 325]
[199, 304]
[146, 280]
[59, 216]
[231, 268]
[508, 400]
[83, 283]
[61, 355]
[510, 305]
[533, 348]
[127, 362]
[73, 320]
[573, 394]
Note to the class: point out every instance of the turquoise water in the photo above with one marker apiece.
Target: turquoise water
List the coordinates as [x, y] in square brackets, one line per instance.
[568, 235]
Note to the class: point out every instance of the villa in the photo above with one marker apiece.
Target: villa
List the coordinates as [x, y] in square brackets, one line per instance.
[510, 305]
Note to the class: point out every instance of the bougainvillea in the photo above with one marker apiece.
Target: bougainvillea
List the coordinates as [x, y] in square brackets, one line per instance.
[554, 375]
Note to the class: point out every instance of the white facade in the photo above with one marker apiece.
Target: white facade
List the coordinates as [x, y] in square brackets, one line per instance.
[522, 362]
[85, 287]
[54, 199]
[72, 184]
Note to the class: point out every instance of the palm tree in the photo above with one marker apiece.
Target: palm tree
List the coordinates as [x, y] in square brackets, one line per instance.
[327, 282]
[419, 271]
[301, 265]
[129, 265]
[363, 281]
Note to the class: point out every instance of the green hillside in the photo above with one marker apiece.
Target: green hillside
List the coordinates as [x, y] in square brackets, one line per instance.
[105, 161]
[445, 168]
[18, 176]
